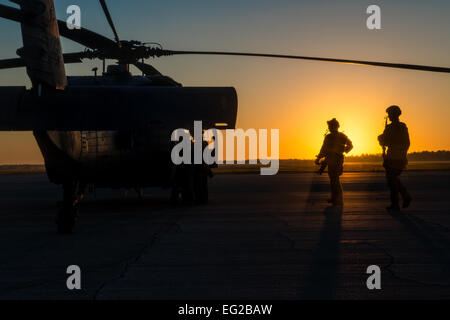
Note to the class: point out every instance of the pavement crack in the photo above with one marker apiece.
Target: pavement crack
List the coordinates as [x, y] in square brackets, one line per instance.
[293, 244]
[149, 243]
[123, 273]
[394, 274]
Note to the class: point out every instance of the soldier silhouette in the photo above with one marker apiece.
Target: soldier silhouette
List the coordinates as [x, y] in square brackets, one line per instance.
[396, 139]
[334, 146]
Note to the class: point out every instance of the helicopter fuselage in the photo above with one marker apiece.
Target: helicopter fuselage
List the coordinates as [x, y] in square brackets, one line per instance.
[118, 159]
[145, 110]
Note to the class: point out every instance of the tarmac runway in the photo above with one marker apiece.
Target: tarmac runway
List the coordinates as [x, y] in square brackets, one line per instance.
[259, 238]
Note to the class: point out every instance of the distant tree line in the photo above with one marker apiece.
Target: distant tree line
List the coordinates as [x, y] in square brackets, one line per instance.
[414, 156]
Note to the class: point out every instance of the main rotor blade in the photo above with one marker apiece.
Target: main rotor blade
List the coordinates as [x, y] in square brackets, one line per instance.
[110, 21]
[19, 62]
[147, 69]
[82, 36]
[10, 13]
[12, 63]
[347, 61]
[88, 38]
[110, 49]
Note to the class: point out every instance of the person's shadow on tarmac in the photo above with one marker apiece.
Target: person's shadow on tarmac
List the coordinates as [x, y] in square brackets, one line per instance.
[322, 280]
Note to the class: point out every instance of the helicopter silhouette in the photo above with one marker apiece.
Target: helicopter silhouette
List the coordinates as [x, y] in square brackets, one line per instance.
[113, 130]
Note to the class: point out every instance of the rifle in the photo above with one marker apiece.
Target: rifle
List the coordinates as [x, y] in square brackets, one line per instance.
[384, 147]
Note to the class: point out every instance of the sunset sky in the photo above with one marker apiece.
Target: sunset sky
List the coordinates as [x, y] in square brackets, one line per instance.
[297, 97]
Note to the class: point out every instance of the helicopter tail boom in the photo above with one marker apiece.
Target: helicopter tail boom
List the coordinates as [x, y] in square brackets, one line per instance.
[118, 108]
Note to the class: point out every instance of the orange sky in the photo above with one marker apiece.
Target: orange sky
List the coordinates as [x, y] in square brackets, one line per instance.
[301, 107]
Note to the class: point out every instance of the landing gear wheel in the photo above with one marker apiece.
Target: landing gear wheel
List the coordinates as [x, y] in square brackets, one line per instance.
[67, 216]
[183, 188]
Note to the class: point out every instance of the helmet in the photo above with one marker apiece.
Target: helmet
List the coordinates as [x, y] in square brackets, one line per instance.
[334, 123]
[394, 111]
